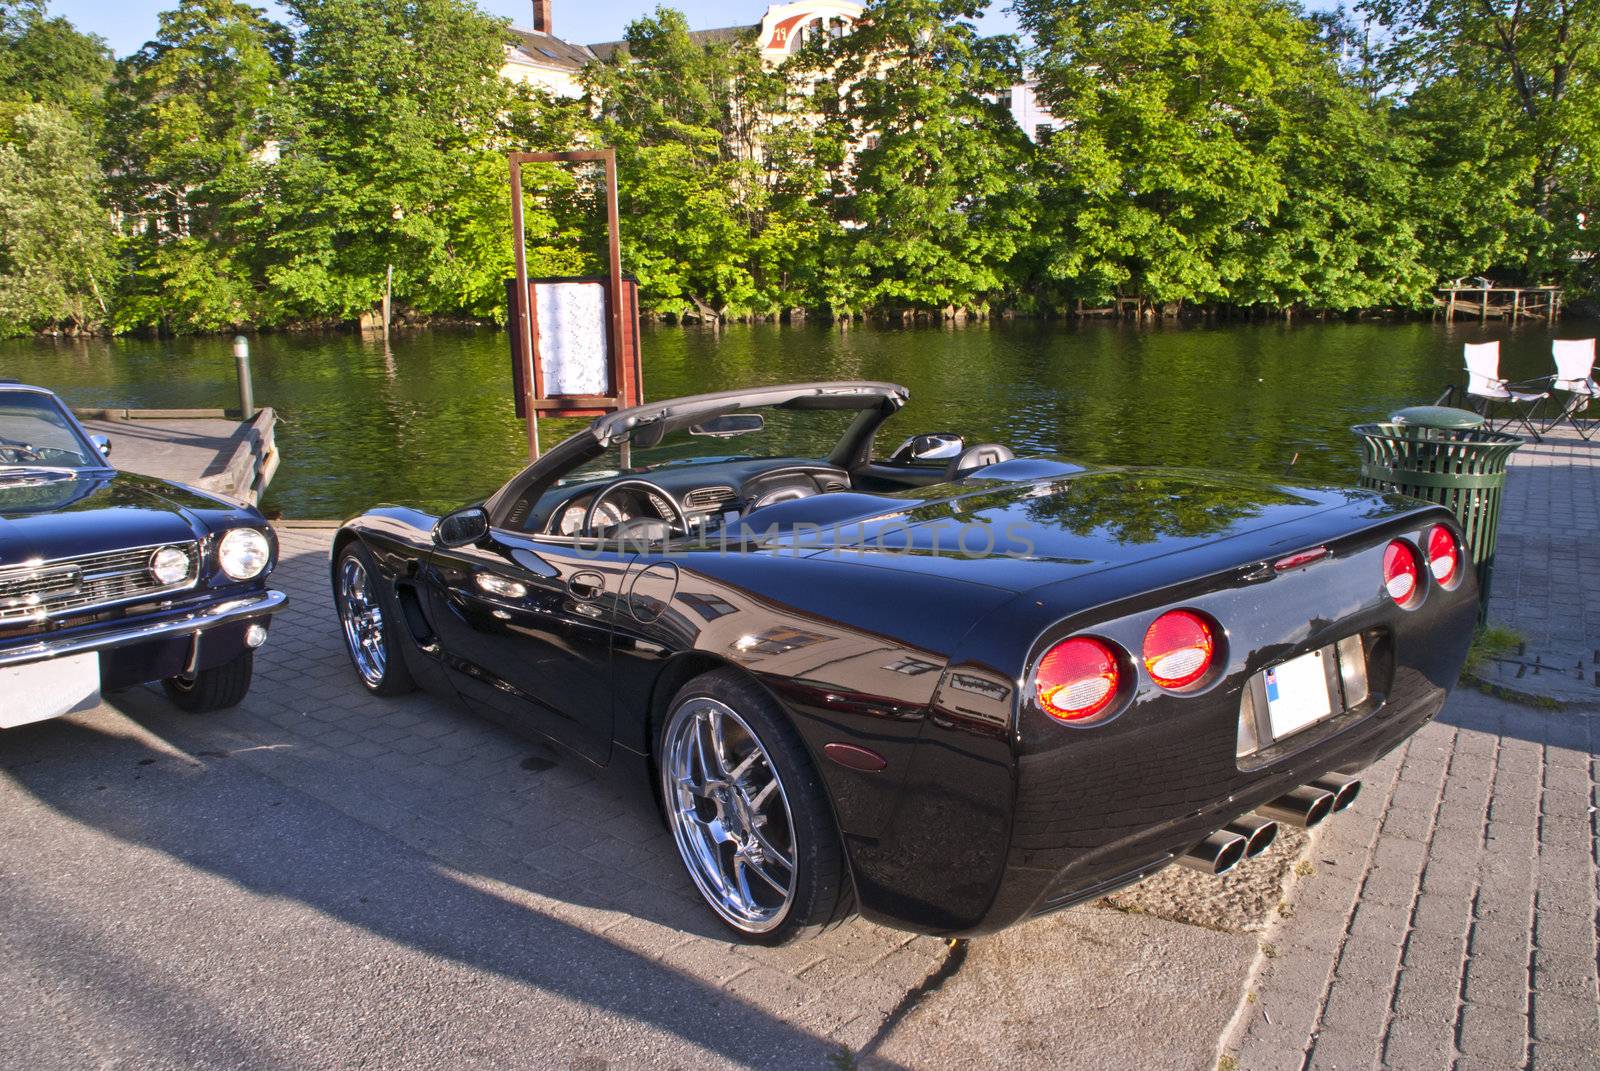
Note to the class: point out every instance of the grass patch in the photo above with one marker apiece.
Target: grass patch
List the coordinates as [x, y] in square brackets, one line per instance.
[1304, 868]
[1490, 642]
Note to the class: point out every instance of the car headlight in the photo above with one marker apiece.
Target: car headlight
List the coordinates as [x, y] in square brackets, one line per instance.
[244, 553]
[169, 565]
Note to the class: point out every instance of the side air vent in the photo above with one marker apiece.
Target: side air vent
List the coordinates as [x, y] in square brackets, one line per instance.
[702, 499]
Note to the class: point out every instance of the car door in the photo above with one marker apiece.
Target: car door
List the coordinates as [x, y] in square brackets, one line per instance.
[525, 626]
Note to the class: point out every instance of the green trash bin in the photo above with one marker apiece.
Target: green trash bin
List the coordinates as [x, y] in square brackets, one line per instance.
[1446, 456]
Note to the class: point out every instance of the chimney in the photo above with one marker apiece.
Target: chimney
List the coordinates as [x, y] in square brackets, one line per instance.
[541, 16]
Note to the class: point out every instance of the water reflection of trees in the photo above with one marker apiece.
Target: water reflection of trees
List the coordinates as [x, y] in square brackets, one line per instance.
[1143, 507]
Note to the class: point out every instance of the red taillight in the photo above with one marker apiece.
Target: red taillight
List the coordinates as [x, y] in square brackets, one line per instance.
[1444, 555]
[1178, 648]
[1401, 574]
[1077, 679]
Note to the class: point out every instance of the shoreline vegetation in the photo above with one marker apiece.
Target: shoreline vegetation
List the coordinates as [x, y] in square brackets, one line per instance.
[1209, 161]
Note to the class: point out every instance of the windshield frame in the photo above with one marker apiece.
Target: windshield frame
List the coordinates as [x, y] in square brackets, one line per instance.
[95, 462]
[872, 402]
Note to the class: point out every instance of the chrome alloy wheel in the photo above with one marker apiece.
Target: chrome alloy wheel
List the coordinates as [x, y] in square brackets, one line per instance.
[362, 617]
[729, 814]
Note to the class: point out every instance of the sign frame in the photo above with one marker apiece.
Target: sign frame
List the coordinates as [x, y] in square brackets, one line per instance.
[627, 380]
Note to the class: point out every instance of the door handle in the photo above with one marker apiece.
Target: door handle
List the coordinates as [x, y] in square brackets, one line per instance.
[586, 586]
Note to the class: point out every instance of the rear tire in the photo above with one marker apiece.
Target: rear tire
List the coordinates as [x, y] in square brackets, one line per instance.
[749, 813]
[217, 688]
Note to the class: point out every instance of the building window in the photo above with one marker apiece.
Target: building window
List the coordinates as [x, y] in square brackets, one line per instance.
[709, 607]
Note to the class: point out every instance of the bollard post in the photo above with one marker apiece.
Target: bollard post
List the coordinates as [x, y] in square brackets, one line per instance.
[241, 359]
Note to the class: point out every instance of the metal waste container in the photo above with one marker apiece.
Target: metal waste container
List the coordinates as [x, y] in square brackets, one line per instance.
[1446, 456]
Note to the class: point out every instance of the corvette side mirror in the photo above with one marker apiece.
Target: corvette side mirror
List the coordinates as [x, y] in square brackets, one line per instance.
[462, 528]
[102, 444]
[927, 449]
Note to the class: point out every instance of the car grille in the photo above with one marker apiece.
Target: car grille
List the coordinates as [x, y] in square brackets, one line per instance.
[707, 498]
[37, 591]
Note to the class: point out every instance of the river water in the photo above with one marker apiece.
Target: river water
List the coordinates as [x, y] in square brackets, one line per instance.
[428, 420]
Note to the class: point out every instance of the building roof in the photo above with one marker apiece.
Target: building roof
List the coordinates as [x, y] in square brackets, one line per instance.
[545, 50]
[607, 50]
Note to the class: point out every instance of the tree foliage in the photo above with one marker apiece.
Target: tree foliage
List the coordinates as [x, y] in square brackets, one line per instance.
[1220, 153]
[56, 239]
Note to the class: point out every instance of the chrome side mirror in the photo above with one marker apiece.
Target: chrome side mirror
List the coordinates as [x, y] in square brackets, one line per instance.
[103, 443]
[926, 449]
[462, 528]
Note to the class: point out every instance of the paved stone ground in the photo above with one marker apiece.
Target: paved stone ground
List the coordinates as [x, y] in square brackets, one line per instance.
[324, 879]
[1547, 567]
[1451, 920]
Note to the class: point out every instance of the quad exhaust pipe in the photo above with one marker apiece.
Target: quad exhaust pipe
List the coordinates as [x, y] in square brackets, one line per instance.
[1244, 838]
[1308, 805]
[1249, 835]
[1258, 833]
[1217, 854]
[1345, 789]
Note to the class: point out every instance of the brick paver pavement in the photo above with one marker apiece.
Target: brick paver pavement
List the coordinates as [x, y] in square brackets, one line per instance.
[1547, 569]
[1451, 920]
[575, 858]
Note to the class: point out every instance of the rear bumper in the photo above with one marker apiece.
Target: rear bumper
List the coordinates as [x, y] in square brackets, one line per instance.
[1028, 891]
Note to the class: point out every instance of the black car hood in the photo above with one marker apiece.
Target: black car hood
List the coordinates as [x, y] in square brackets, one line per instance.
[1021, 535]
[93, 513]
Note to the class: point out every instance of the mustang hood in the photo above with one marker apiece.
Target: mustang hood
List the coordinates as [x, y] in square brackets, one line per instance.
[64, 518]
[1022, 535]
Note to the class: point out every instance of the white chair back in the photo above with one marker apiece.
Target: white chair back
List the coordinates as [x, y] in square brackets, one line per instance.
[1574, 362]
[1483, 368]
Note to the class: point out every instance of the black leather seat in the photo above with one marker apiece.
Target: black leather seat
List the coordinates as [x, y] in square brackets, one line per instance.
[976, 457]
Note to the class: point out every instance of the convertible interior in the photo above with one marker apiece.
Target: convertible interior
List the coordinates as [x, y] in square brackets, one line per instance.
[661, 481]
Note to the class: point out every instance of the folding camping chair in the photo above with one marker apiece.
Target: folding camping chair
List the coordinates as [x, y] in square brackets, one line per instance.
[1575, 378]
[1485, 388]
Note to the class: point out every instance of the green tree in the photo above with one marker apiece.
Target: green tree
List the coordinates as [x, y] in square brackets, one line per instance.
[187, 138]
[717, 206]
[1505, 96]
[1212, 151]
[56, 239]
[930, 175]
[390, 109]
[49, 60]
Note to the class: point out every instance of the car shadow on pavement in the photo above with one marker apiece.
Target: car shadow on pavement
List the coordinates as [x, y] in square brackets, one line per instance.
[1572, 730]
[203, 810]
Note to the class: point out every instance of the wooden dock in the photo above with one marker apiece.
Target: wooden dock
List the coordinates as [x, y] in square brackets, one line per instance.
[1512, 303]
[204, 448]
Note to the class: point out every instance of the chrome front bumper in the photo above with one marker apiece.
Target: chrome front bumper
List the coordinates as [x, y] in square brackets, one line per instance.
[261, 604]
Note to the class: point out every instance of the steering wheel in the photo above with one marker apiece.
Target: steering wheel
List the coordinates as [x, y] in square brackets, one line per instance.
[17, 450]
[678, 522]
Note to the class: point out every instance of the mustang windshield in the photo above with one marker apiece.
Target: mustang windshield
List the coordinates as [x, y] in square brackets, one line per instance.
[36, 434]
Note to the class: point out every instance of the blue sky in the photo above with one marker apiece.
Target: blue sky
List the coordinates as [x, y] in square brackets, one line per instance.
[128, 24]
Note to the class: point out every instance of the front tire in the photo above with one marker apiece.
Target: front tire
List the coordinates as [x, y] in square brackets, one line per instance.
[217, 688]
[749, 814]
[370, 638]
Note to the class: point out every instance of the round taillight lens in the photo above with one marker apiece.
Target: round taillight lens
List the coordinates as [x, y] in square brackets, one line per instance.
[1077, 679]
[1444, 555]
[1401, 574]
[1178, 648]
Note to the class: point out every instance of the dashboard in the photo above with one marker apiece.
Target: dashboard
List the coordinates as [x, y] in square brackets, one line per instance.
[707, 491]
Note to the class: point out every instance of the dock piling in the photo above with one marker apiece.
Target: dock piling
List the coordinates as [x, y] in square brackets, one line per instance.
[241, 360]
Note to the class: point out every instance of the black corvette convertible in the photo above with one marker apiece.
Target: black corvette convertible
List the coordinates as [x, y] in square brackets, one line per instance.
[941, 685]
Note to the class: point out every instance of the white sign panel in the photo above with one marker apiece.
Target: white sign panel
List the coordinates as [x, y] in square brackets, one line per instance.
[574, 353]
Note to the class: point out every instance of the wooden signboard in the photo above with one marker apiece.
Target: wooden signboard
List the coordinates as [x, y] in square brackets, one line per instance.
[575, 342]
[577, 372]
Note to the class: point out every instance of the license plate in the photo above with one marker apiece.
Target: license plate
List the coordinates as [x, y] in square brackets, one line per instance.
[1297, 693]
[49, 689]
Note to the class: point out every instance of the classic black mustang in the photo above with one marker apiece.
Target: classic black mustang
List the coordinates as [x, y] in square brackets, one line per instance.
[108, 579]
[946, 687]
